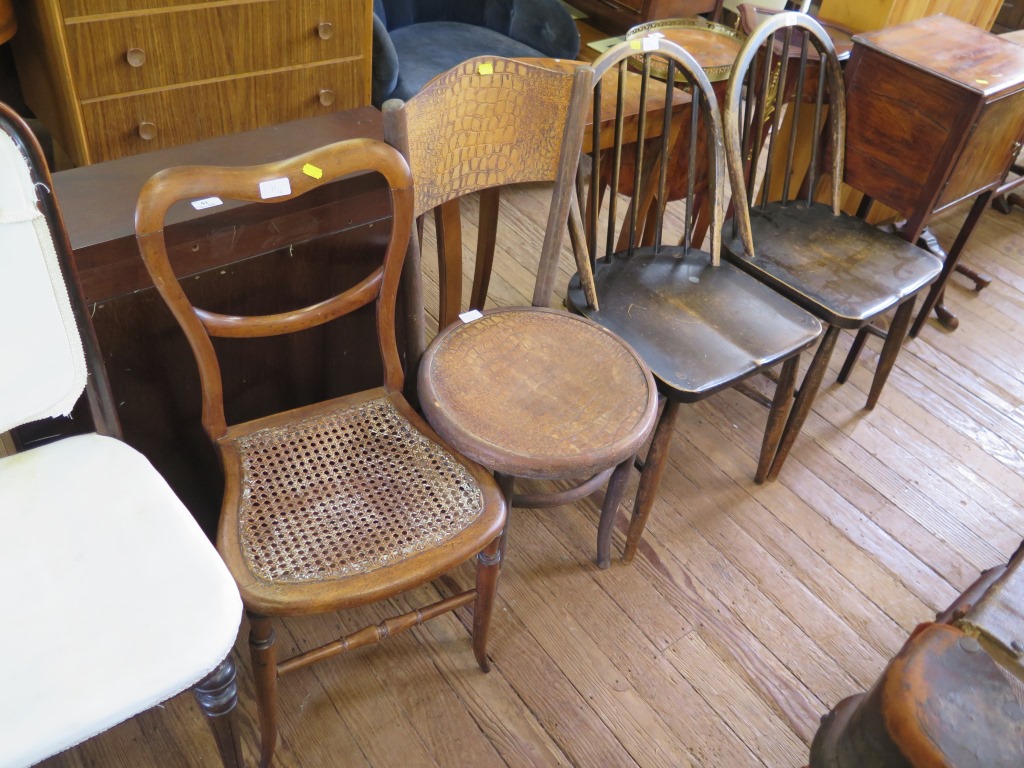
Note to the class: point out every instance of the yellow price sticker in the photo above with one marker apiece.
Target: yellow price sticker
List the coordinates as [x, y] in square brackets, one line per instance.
[636, 45]
[487, 68]
[311, 170]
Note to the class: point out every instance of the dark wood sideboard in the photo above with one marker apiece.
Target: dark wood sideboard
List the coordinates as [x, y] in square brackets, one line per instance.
[242, 258]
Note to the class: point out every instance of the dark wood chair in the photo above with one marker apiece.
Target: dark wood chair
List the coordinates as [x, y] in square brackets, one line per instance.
[843, 270]
[529, 391]
[114, 599]
[702, 326]
[339, 503]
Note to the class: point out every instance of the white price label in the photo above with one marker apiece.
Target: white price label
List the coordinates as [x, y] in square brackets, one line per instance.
[275, 188]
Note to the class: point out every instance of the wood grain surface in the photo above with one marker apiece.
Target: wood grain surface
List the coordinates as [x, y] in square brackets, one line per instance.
[749, 610]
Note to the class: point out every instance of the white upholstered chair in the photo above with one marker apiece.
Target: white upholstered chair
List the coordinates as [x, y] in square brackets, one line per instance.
[113, 598]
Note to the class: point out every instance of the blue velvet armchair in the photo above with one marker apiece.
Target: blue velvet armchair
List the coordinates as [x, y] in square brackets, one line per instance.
[416, 40]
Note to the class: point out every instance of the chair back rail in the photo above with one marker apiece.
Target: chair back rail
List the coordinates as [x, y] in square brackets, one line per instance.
[293, 177]
[755, 105]
[657, 153]
[491, 122]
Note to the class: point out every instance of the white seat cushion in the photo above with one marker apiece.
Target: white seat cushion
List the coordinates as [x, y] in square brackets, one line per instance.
[113, 598]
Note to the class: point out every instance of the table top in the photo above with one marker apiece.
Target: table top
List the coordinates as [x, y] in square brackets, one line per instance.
[983, 62]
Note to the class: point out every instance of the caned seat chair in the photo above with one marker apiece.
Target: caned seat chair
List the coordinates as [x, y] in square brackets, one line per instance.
[530, 392]
[846, 272]
[114, 599]
[702, 326]
[343, 502]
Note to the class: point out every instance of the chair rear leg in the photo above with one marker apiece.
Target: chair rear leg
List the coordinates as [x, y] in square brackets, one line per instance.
[217, 695]
[805, 399]
[488, 565]
[264, 671]
[781, 404]
[650, 477]
[612, 500]
[891, 348]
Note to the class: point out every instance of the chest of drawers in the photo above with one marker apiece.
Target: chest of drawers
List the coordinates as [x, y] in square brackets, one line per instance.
[113, 78]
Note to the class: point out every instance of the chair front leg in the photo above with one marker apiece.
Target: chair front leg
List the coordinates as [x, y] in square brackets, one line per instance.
[264, 670]
[781, 404]
[612, 500]
[217, 695]
[805, 399]
[488, 565]
[650, 477]
[891, 348]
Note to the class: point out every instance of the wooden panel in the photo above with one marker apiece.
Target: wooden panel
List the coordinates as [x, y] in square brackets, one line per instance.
[73, 8]
[993, 145]
[240, 38]
[864, 16]
[187, 114]
[893, 146]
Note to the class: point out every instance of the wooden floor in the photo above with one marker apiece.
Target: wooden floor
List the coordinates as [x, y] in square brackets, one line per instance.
[750, 610]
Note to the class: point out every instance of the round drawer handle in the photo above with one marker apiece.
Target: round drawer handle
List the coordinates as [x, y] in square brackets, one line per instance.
[136, 57]
[147, 130]
[325, 30]
[326, 97]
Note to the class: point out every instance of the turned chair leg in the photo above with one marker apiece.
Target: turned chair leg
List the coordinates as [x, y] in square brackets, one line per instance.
[217, 695]
[612, 500]
[893, 342]
[488, 564]
[650, 477]
[804, 399]
[782, 402]
[264, 670]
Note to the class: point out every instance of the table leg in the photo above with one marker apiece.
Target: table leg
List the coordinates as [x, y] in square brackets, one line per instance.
[935, 295]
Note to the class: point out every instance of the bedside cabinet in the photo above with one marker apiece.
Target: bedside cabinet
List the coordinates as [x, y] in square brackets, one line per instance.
[112, 78]
[935, 116]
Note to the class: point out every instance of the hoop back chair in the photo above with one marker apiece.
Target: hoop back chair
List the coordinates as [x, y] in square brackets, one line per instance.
[529, 392]
[701, 325]
[836, 266]
[95, 542]
[339, 503]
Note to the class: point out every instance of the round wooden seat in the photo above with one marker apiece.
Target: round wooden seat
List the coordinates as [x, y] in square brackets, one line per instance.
[538, 393]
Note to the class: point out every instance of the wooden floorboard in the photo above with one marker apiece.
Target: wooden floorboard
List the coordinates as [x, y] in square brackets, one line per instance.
[749, 610]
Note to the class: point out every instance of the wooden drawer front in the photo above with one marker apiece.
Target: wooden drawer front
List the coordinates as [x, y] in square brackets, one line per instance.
[182, 115]
[236, 39]
[73, 8]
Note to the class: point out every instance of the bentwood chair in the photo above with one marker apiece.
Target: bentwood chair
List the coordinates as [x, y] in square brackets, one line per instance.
[343, 502]
[530, 392]
[701, 325]
[114, 599]
[846, 272]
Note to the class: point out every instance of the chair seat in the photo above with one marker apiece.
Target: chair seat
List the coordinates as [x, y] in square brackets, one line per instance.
[538, 393]
[328, 499]
[426, 49]
[700, 328]
[840, 268]
[129, 602]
